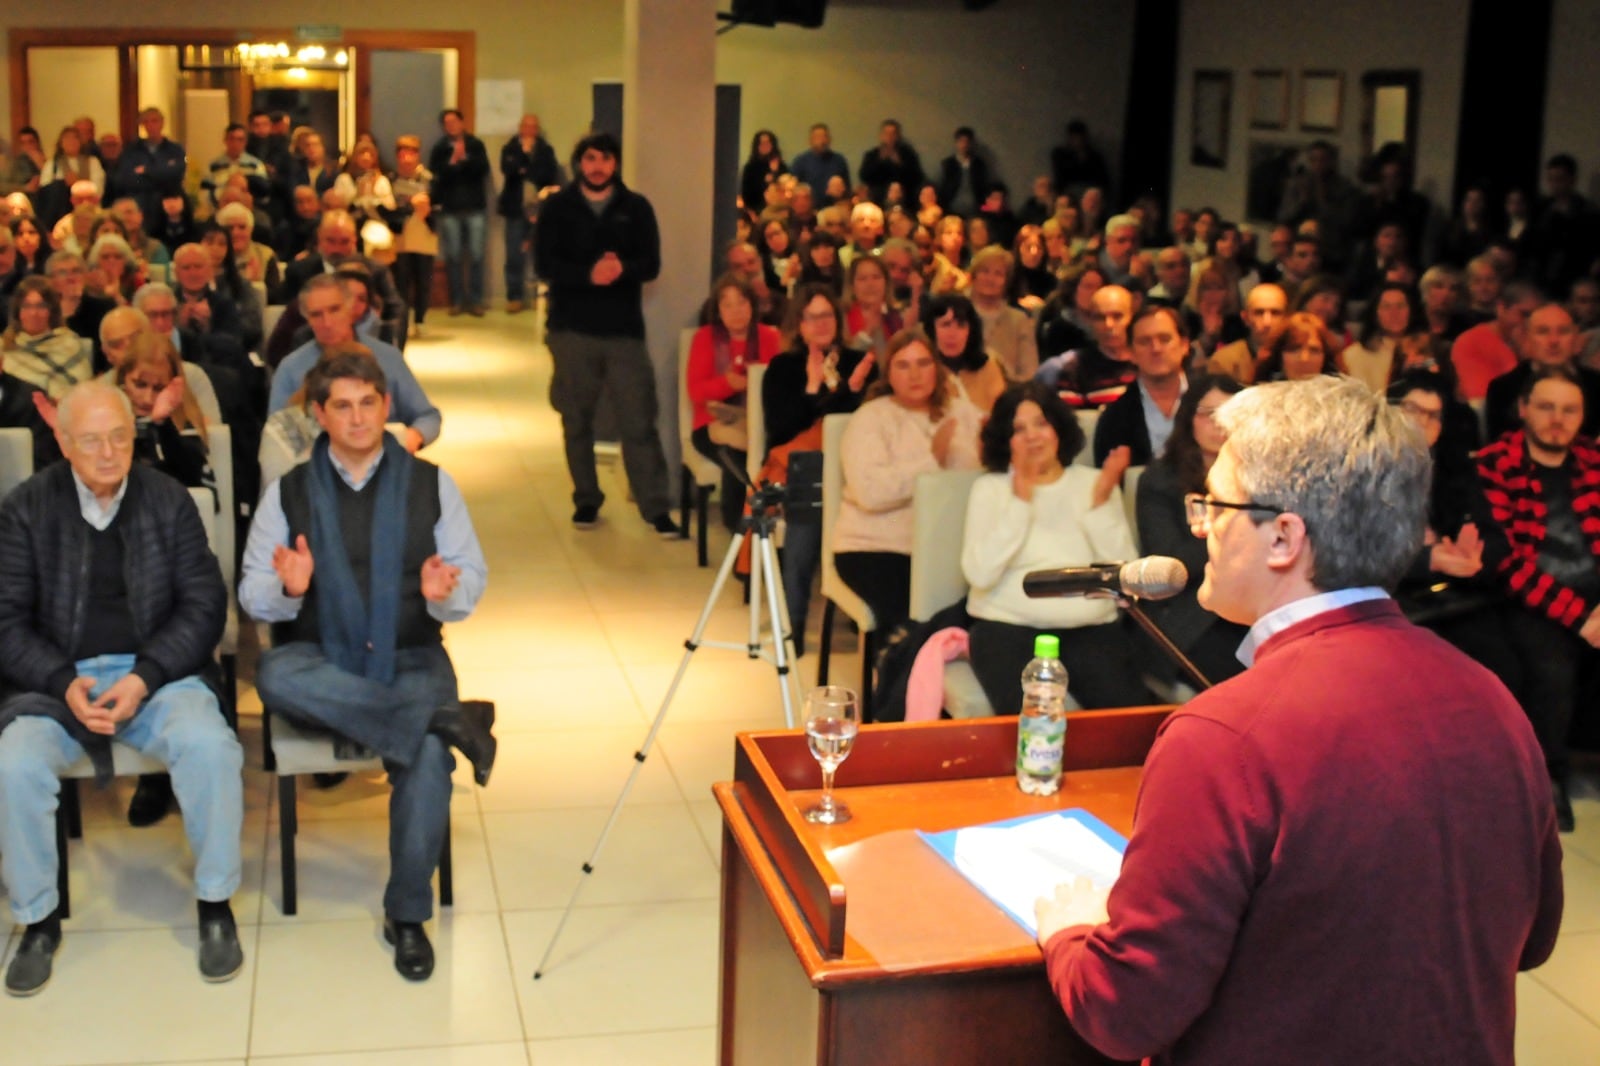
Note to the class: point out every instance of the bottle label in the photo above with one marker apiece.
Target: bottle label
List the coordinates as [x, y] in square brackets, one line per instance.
[1041, 740]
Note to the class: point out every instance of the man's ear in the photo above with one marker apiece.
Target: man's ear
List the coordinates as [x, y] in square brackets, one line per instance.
[1291, 547]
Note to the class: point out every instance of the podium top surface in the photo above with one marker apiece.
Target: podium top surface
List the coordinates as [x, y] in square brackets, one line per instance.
[867, 899]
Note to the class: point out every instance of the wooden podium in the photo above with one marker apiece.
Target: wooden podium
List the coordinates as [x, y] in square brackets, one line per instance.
[856, 943]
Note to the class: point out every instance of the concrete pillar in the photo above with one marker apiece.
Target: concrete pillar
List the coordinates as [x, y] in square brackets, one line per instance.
[669, 113]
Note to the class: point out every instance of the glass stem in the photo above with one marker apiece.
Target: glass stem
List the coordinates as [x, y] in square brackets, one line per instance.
[827, 786]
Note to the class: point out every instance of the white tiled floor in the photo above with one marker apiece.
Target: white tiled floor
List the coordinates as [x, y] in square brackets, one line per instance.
[576, 641]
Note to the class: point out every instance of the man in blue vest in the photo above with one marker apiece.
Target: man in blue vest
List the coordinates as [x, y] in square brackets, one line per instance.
[358, 556]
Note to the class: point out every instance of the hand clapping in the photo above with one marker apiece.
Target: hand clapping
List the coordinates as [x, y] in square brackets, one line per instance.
[294, 566]
[439, 579]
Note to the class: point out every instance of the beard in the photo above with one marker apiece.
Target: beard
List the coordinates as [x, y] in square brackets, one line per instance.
[601, 187]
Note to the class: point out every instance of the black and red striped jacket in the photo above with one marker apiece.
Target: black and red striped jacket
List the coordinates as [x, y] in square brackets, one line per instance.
[1515, 497]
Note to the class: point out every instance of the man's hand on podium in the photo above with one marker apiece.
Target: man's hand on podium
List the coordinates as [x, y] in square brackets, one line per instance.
[1079, 902]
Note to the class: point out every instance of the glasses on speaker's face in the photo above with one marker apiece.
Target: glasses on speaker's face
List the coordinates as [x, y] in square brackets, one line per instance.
[1202, 509]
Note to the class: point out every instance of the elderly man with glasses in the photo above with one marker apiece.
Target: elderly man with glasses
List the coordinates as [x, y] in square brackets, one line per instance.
[111, 605]
[1347, 852]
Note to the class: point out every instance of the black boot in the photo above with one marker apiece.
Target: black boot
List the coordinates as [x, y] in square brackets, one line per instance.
[1565, 822]
[152, 800]
[466, 726]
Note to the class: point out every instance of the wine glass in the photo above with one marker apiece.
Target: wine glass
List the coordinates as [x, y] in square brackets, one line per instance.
[833, 715]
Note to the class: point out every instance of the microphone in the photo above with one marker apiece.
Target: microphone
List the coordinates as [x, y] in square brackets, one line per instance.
[1155, 577]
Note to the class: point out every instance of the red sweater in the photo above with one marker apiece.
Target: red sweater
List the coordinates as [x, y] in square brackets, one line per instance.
[701, 377]
[1343, 855]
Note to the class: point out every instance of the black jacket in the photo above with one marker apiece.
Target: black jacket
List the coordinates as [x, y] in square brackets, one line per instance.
[950, 182]
[17, 410]
[175, 588]
[1122, 423]
[459, 186]
[878, 173]
[539, 167]
[570, 240]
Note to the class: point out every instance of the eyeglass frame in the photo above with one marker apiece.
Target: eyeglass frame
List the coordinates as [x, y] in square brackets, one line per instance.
[1197, 508]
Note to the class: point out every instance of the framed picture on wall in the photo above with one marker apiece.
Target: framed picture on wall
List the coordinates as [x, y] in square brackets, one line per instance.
[1321, 99]
[1269, 100]
[1213, 102]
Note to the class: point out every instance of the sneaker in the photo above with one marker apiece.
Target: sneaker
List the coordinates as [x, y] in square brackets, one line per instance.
[586, 517]
[665, 527]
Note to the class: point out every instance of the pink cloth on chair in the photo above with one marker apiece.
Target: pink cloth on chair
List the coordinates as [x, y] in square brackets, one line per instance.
[925, 687]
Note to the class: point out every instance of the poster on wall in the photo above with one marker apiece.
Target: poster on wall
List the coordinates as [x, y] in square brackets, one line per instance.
[499, 106]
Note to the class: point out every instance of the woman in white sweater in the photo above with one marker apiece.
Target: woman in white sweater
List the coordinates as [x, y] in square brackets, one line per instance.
[913, 423]
[1035, 510]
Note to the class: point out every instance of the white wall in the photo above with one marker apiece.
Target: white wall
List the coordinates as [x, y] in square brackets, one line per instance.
[1571, 123]
[1016, 73]
[1352, 36]
[64, 83]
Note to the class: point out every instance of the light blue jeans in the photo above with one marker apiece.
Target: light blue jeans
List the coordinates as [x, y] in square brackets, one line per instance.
[180, 725]
[461, 242]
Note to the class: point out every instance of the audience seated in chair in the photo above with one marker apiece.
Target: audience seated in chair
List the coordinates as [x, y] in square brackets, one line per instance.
[1095, 374]
[1036, 509]
[37, 346]
[959, 340]
[914, 421]
[359, 556]
[112, 609]
[1008, 331]
[1139, 422]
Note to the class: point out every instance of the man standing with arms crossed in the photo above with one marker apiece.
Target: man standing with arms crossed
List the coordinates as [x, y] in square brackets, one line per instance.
[597, 245]
[1346, 853]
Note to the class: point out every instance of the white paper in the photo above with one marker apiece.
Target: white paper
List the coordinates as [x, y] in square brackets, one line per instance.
[499, 107]
[1015, 865]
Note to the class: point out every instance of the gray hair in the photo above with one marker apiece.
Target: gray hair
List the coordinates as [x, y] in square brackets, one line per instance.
[1355, 470]
[1116, 222]
[234, 211]
[866, 210]
[1440, 274]
[318, 282]
[117, 314]
[152, 288]
[64, 257]
[109, 240]
[85, 391]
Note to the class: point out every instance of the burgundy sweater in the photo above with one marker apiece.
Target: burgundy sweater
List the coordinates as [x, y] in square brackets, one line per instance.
[1343, 855]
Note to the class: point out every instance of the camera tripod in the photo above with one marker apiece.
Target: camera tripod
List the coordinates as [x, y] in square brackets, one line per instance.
[766, 507]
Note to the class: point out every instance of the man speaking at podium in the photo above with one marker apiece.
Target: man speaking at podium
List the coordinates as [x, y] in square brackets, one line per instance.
[1346, 853]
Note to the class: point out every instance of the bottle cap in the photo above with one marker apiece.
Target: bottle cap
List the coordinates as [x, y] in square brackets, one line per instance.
[1047, 646]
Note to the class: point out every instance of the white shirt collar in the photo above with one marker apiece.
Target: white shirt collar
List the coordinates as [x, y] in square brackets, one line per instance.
[1276, 621]
[94, 512]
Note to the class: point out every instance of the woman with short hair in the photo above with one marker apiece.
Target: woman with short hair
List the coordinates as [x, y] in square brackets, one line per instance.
[1035, 509]
[37, 346]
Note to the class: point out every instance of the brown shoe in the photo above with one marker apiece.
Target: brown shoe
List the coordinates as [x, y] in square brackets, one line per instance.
[513, 306]
[476, 310]
[455, 309]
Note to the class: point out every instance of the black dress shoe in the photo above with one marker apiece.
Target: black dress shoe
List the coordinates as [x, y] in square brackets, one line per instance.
[221, 957]
[152, 800]
[466, 727]
[1565, 822]
[413, 955]
[30, 966]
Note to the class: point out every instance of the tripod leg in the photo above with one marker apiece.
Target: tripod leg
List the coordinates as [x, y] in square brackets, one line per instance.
[782, 639]
[753, 599]
[643, 753]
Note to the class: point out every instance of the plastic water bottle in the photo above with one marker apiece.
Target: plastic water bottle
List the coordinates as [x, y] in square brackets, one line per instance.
[1042, 726]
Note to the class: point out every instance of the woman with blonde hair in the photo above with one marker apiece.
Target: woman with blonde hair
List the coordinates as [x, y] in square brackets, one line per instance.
[1303, 348]
[363, 184]
[114, 273]
[1008, 331]
[169, 427]
[949, 255]
[914, 422]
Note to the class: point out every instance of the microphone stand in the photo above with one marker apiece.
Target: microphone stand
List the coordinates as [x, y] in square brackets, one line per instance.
[1164, 642]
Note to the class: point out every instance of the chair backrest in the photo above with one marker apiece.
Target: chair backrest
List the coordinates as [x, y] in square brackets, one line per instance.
[269, 319]
[704, 470]
[16, 457]
[1087, 419]
[1480, 411]
[206, 504]
[833, 587]
[1130, 500]
[939, 519]
[755, 422]
[219, 440]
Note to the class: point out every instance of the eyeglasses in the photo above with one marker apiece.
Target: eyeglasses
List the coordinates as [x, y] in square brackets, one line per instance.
[1427, 414]
[1201, 510]
[119, 439]
[817, 316]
